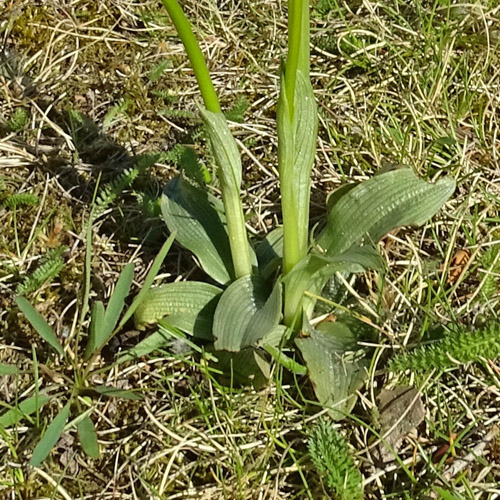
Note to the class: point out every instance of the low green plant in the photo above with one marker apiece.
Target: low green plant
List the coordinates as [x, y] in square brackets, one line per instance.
[330, 455]
[457, 347]
[78, 365]
[262, 298]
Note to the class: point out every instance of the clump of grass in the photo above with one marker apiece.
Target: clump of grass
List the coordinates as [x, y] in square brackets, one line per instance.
[456, 348]
[330, 455]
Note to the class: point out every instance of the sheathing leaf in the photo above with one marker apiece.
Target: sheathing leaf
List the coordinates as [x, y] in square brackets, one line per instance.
[245, 313]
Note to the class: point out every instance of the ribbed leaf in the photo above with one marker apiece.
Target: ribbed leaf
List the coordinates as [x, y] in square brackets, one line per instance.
[377, 206]
[296, 150]
[224, 148]
[190, 306]
[337, 367]
[39, 324]
[199, 224]
[25, 408]
[246, 312]
[88, 437]
[51, 436]
[313, 272]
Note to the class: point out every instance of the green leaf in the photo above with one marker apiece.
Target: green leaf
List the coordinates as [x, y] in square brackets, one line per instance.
[296, 150]
[246, 312]
[246, 367]
[377, 206]
[117, 301]
[198, 221]
[152, 273]
[39, 324]
[51, 436]
[290, 364]
[270, 252]
[312, 273]
[112, 392]
[6, 369]
[88, 437]
[25, 408]
[337, 366]
[98, 329]
[446, 495]
[224, 148]
[189, 305]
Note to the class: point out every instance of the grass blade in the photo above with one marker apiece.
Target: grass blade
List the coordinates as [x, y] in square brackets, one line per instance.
[116, 393]
[155, 268]
[51, 436]
[97, 329]
[25, 408]
[88, 437]
[39, 324]
[117, 301]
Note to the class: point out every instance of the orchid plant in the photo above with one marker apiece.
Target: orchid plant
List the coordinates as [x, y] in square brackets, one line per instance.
[260, 300]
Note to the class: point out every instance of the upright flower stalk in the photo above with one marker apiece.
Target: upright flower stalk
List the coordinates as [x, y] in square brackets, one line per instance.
[225, 151]
[297, 134]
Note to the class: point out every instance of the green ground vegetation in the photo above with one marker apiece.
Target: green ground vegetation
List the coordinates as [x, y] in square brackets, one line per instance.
[98, 109]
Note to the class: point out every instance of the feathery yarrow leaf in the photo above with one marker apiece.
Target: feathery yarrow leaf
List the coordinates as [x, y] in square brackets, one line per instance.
[456, 348]
[490, 261]
[50, 266]
[16, 200]
[330, 455]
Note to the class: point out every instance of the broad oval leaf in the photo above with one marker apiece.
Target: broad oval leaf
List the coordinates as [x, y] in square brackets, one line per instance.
[199, 224]
[25, 408]
[246, 367]
[88, 437]
[190, 306]
[39, 324]
[246, 312]
[51, 436]
[337, 366]
[373, 208]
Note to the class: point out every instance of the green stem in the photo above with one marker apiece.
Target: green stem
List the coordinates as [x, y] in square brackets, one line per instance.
[236, 230]
[294, 49]
[195, 55]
